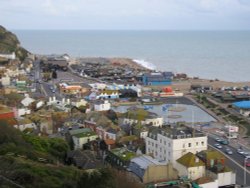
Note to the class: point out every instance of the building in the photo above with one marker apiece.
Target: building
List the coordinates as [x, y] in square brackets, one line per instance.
[5, 81]
[157, 78]
[191, 166]
[71, 89]
[216, 168]
[120, 157]
[6, 113]
[82, 136]
[143, 117]
[136, 88]
[25, 123]
[27, 100]
[170, 143]
[56, 63]
[83, 159]
[9, 56]
[231, 131]
[243, 107]
[108, 94]
[150, 170]
[102, 105]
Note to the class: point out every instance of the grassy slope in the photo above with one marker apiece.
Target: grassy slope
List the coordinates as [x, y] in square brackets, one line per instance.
[9, 43]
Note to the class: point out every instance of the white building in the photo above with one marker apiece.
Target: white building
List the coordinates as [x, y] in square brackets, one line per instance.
[25, 124]
[82, 136]
[27, 100]
[169, 144]
[9, 56]
[5, 81]
[102, 106]
[135, 87]
[137, 115]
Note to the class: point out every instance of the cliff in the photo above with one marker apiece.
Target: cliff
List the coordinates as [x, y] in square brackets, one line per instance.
[9, 43]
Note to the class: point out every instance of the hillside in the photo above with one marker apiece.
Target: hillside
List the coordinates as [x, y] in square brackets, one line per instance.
[20, 163]
[9, 43]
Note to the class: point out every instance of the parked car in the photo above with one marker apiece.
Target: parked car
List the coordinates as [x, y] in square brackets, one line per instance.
[228, 151]
[218, 146]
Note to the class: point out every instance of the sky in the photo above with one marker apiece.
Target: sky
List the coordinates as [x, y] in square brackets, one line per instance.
[126, 14]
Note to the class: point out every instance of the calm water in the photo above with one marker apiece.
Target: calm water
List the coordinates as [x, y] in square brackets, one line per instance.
[207, 54]
[190, 114]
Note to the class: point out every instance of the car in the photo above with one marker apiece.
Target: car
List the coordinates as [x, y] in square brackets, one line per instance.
[51, 87]
[247, 163]
[218, 146]
[246, 154]
[53, 90]
[228, 151]
[240, 151]
[217, 139]
[224, 142]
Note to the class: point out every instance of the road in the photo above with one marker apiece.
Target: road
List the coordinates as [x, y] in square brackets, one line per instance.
[235, 162]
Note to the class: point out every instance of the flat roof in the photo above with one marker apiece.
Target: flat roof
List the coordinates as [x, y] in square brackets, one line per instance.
[242, 104]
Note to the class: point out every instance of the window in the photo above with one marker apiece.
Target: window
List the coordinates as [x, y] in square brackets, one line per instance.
[165, 143]
[160, 140]
[202, 143]
[169, 145]
[189, 144]
[169, 153]
[160, 149]
[197, 143]
[164, 151]
[183, 146]
[148, 142]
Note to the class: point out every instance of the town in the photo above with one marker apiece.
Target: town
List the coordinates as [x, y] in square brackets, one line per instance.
[114, 112]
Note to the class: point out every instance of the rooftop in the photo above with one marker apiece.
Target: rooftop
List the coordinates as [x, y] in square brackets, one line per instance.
[242, 104]
[139, 114]
[144, 161]
[123, 153]
[190, 160]
[78, 131]
[84, 134]
[175, 132]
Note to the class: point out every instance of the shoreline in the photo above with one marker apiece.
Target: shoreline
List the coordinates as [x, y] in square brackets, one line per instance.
[181, 84]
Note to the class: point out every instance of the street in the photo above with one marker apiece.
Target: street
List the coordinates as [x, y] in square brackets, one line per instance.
[235, 162]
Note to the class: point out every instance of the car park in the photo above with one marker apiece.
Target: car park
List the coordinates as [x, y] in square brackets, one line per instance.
[218, 146]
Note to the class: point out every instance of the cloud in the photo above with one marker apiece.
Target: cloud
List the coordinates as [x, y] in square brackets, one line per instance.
[130, 14]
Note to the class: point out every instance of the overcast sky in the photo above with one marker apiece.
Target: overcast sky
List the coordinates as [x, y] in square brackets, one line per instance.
[126, 14]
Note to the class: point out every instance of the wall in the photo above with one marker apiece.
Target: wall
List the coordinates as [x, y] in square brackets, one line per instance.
[102, 107]
[226, 178]
[213, 184]
[78, 142]
[165, 148]
[9, 56]
[159, 172]
[25, 126]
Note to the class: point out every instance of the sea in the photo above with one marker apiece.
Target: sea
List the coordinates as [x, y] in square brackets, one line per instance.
[223, 55]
